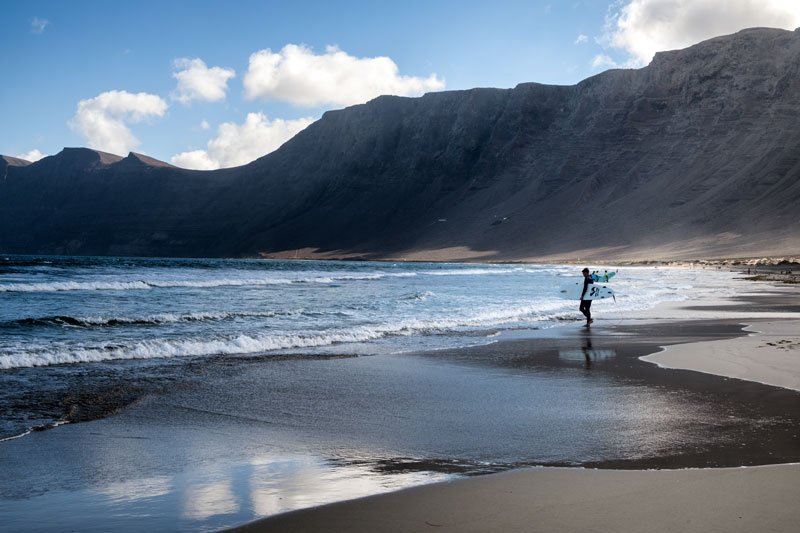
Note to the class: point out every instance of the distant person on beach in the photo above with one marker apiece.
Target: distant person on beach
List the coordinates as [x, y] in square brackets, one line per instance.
[586, 304]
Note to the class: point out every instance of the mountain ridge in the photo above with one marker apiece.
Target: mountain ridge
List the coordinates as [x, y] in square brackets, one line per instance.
[696, 155]
[14, 161]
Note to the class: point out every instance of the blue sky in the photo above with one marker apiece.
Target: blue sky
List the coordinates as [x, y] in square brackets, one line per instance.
[56, 54]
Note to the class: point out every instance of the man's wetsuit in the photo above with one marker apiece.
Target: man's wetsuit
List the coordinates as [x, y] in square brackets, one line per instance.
[586, 304]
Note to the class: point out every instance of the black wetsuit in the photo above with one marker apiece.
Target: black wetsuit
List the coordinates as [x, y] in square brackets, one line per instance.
[586, 304]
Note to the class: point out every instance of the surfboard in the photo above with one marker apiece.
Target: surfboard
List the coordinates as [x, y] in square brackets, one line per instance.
[596, 291]
[604, 277]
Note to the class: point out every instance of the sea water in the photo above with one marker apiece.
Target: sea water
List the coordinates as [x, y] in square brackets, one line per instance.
[70, 310]
[62, 316]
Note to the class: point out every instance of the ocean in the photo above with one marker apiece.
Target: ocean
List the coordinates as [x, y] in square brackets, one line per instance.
[67, 316]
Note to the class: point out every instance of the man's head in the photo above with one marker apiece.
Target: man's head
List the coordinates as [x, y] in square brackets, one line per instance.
[585, 272]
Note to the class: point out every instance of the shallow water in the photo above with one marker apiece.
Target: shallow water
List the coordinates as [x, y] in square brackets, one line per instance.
[233, 440]
[67, 319]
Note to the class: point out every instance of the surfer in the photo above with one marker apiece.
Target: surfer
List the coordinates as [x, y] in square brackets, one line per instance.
[586, 304]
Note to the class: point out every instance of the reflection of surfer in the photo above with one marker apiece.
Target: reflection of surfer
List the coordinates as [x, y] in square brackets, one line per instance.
[587, 349]
[586, 304]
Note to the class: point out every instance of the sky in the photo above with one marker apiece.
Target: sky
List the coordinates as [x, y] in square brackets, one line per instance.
[210, 84]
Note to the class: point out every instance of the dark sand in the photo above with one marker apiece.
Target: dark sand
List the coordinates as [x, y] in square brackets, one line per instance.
[759, 498]
[551, 500]
[229, 440]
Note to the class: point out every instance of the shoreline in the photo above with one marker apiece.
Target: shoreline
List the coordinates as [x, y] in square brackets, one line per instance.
[185, 419]
[770, 341]
[745, 498]
[760, 498]
[466, 256]
[768, 261]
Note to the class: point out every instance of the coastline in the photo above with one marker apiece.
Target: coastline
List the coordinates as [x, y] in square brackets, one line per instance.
[745, 498]
[769, 355]
[769, 263]
[146, 456]
[762, 498]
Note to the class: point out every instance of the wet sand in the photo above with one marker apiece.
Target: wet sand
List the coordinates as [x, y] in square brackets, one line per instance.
[230, 440]
[753, 498]
[570, 500]
[770, 355]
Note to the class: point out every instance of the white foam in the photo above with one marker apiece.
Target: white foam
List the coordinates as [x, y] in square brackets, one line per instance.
[73, 286]
[31, 430]
[52, 354]
[473, 271]
[454, 309]
[170, 318]
[420, 295]
[147, 284]
[324, 278]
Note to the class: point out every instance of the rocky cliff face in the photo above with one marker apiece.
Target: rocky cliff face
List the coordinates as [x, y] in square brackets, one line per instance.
[696, 155]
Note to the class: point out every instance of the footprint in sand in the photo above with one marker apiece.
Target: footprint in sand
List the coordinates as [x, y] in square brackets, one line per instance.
[784, 344]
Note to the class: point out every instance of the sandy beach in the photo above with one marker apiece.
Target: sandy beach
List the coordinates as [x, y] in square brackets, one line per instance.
[752, 498]
[760, 498]
[552, 429]
[770, 355]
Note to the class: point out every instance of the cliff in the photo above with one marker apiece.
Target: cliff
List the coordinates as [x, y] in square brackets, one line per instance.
[695, 155]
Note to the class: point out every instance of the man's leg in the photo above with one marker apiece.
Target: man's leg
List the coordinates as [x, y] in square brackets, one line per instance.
[585, 309]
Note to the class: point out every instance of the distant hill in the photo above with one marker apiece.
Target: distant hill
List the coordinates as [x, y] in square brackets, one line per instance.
[13, 161]
[696, 155]
[8, 161]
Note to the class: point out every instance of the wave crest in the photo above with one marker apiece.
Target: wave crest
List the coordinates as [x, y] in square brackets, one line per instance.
[255, 344]
[148, 284]
[166, 318]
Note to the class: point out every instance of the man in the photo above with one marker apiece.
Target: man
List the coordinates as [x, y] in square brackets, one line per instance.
[586, 304]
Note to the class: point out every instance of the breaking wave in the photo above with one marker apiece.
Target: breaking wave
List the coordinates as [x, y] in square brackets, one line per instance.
[424, 295]
[27, 356]
[147, 284]
[474, 271]
[166, 318]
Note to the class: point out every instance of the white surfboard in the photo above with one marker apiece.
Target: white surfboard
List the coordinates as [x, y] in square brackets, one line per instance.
[596, 291]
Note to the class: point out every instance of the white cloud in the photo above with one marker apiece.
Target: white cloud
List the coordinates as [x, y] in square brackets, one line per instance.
[238, 144]
[582, 39]
[297, 75]
[38, 25]
[198, 82]
[603, 61]
[103, 120]
[195, 159]
[205, 125]
[32, 156]
[644, 27]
